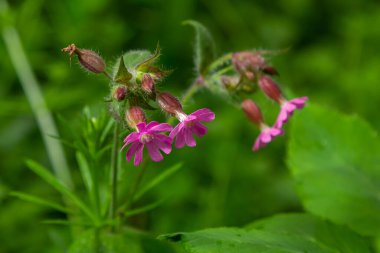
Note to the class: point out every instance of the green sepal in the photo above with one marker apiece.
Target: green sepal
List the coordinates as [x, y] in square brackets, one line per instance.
[122, 75]
[145, 66]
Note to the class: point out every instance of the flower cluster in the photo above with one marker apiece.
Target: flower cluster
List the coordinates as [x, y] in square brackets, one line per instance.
[252, 70]
[133, 88]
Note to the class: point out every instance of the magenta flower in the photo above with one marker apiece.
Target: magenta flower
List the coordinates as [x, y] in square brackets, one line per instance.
[190, 124]
[287, 110]
[267, 135]
[148, 135]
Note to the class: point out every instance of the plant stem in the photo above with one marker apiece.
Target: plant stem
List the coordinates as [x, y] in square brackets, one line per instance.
[36, 100]
[114, 171]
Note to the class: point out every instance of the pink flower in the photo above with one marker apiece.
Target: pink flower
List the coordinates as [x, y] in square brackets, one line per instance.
[148, 135]
[190, 124]
[288, 108]
[267, 135]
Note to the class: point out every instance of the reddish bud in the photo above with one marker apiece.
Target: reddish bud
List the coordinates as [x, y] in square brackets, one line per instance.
[120, 92]
[252, 111]
[169, 103]
[87, 58]
[147, 83]
[244, 61]
[134, 115]
[270, 88]
[270, 70]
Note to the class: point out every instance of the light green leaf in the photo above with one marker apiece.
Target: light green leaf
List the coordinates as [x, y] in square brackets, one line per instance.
[161, 177]
[335, 160]
[40, 201]
[135, 57]
[144, 66]
[59, 186]
[204, 47]
[274, 235]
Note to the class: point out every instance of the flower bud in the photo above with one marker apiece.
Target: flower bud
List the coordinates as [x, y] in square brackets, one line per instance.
[147, 83]
[169, 103]
[270, 70]
[90, 60]
[230, 82]
[244, 61]
[252, 111]
[120, 92]
[270, 88]
[134, 115]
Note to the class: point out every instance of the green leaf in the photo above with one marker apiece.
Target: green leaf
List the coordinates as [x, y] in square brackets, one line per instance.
[161, 177]
[40, 201]
[66, 223]
[277, 235]
[135, 57]
[85, 172]
[144, 208]
[59, 186]
[122, 75]
[335, 160]
[144, 66]
[204, 47]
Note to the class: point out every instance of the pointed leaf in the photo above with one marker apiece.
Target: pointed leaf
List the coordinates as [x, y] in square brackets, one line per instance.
[122, 75]
[40, 201]
[85, 172]
[204, 47]
[161, 177]
[59, 186]
[144, 208]
[65, 222]
[145, 66]
[335, 160]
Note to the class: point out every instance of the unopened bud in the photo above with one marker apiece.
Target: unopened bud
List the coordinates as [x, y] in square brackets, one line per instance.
[134, 115]
[87, 58]
[252, 111]
[120, 92]
[270, 88]
[169, 103]
[230, 82]
[270, 70]
[147, 83]
[244, 61]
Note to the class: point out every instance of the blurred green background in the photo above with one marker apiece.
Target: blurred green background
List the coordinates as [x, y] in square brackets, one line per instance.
[333, 59]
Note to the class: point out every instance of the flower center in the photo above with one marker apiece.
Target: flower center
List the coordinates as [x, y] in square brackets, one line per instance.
[145, 138]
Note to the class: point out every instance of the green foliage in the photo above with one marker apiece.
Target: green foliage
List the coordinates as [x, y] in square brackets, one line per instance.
[335, 161]
[204, 47]
[285, 233]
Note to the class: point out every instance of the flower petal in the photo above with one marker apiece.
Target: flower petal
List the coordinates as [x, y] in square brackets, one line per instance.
[176, 130]
[132, 150]
[154, 151]
[130, 138]
[139, 155]
[190, 141]
[204, 114]
[180, 139]
[141, 126]
[161, 128]
[199, 129]
[164, 143]
[151, 124]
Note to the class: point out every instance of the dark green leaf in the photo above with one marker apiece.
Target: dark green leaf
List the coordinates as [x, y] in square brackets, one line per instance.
[282, 234]
[336, 162]
[122, 75]
[40, 201]
[204, 47]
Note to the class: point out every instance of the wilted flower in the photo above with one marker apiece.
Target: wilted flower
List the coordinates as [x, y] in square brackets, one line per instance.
[88, 59]
[148, 135]
[190, 124]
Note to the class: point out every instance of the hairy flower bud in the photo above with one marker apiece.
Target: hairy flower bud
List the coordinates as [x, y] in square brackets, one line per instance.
[252, 111]
[270, 88]
[134, 115]
[169, 103]
[244, 61]
[147, 83]
[120, 92]
[270, 70]
[90, 60]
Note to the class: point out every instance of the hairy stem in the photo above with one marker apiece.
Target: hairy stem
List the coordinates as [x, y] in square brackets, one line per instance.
[36, 100]
[114, 171]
